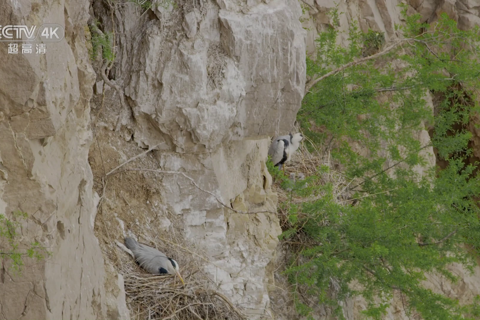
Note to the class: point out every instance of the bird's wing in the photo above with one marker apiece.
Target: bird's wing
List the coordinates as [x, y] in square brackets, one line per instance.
[285, 137]
[130, 243]
[275, 141]
[277, 151]
[152, 264]
[273, 147]
[151, 259]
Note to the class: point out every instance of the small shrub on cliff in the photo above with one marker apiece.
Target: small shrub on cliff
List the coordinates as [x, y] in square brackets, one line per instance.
[10, 248]
[102, 41]
[372, 42]
[403, 219]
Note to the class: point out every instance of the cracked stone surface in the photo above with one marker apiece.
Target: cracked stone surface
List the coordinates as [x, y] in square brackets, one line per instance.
[45, 139]
[207, 83]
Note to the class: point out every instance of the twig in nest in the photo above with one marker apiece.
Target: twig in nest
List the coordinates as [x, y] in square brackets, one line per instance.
[155, 298]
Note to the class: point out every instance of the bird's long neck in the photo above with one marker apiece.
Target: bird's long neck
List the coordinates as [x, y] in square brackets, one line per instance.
[295, 145]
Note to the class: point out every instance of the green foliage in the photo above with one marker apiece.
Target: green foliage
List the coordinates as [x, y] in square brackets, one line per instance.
[474, 309]
[300, 187]
[148, 4]
[10, 245]
[403, 224]
[372, 42]
[144, 4]
[103, 41]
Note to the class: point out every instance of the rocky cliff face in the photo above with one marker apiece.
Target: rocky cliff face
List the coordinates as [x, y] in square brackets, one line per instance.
[206, 84]
[45, 138]
[201, 84]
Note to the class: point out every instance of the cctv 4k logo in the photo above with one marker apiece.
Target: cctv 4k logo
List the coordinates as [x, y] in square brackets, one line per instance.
[48, 32]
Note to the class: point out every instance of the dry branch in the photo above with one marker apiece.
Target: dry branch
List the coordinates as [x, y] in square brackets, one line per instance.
[195, 185]
[422, 244]
[131, 159]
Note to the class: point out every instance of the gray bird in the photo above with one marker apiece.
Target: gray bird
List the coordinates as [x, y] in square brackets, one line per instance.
[278, 152]
[283, 147]
[152, 260]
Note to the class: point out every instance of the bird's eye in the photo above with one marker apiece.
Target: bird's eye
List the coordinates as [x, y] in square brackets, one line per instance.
[174, 263]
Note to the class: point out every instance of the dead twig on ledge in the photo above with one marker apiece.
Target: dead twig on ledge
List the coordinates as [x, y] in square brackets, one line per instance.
[131, 159]
[194, 184]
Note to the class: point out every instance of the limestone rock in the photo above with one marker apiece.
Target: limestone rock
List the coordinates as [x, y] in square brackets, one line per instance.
[206, 93]
[190, 24]
[45, 139]
[244, 74]
[205, 85]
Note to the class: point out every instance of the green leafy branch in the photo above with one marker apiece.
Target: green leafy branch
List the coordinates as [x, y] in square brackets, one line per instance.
[402, 223]
[103, 41]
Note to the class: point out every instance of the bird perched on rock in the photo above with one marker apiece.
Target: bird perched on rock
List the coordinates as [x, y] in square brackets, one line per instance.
[152, 260]
[283, 147]
[278, 152]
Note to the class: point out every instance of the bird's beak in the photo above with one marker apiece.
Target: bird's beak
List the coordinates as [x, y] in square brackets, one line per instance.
[178, 274]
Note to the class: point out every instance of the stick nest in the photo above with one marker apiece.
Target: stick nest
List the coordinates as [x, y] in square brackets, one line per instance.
[304, 164]
[164, 297]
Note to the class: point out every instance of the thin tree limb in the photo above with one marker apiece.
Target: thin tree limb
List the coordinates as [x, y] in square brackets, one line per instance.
[311, 83]
[422, 244]
[131, 159]
[177, 311]
[224, 298]
[390, 167]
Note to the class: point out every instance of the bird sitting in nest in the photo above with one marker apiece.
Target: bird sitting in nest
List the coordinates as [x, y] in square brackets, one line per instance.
[283, 147]
[150, 259]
